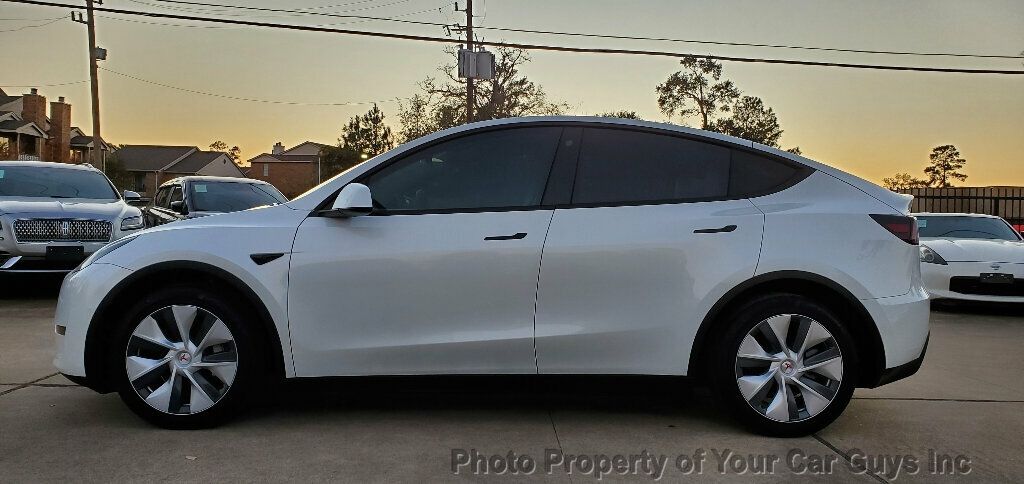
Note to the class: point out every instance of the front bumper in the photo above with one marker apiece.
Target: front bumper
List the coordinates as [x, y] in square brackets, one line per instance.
[937, 279]
[80, 296]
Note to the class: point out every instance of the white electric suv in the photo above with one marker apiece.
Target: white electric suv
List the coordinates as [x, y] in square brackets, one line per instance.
[549, 245]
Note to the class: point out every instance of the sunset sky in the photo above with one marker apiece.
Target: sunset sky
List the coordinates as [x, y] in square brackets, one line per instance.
[871, 123]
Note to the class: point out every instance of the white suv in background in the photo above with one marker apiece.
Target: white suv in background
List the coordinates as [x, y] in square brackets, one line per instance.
[550, 245]
[53, 215]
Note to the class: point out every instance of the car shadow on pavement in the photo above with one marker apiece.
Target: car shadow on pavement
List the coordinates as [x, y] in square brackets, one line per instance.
[30, 285]
[986, 308]
[611, 394]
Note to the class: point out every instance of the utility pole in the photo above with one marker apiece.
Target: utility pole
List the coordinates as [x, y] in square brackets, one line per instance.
[97, 140]
[470, 88]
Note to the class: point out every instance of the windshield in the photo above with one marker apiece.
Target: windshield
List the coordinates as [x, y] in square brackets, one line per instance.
[966, 228]
[232, 196]
[48, 182]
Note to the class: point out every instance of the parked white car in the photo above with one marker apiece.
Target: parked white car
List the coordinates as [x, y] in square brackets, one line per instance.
[972, 257]
[54, 215]
[549, 245]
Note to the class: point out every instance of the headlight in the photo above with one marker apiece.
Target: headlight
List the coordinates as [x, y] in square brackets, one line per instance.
[930, 256]
[106, 249]
[132, 223]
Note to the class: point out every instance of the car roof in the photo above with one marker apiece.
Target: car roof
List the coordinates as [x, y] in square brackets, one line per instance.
[947, 214]
[217, 179]
[48, 164]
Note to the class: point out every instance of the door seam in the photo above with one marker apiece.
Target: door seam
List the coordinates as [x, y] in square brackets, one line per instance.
[536, 291]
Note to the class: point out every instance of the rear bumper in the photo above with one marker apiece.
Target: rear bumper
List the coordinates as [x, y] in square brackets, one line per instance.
[903, 371]
[902, 323]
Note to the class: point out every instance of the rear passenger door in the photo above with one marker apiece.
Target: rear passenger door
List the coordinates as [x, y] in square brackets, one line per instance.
[632, 263]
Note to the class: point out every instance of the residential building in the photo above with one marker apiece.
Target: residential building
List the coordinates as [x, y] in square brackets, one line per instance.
[292, 171]
[152, 165]
[28, 133]
[82, 146]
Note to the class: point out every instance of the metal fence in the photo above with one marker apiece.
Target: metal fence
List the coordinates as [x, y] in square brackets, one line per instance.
[1006, 202]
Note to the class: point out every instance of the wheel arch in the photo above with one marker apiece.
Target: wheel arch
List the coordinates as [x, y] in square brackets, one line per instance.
[140, 281]
[869, 342]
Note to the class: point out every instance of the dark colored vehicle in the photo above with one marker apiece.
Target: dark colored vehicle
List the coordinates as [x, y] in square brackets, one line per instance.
[197, 196]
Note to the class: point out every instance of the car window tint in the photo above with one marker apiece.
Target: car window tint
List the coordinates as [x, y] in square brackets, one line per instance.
[176, 195]
[232, 196]
[493, 169]
[954, 227]
[622, 166]
[753, 174]
[162, 196]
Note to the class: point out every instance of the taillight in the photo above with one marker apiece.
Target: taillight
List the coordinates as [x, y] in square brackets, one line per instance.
[904, 228]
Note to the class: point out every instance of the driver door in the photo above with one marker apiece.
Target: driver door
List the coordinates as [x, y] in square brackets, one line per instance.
[442, 276]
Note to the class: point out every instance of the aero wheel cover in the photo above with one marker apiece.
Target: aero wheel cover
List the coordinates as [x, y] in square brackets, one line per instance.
[181, 360]
[789, 368]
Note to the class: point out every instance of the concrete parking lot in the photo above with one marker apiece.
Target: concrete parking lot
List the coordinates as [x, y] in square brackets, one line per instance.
[964, 410]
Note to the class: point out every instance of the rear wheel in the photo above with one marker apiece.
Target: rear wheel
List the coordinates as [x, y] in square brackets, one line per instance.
[786, 366]
[184, 358]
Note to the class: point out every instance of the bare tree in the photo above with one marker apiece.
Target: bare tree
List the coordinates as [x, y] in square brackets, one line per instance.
[442, 102]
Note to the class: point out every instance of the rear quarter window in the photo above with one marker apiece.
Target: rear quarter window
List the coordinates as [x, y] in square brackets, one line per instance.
[754, 175]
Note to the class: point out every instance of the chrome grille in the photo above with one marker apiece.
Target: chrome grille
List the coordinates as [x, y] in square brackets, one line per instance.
[46, 230]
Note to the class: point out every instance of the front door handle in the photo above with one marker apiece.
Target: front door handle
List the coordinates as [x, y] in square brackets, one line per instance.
[727, 228]
[516, 236]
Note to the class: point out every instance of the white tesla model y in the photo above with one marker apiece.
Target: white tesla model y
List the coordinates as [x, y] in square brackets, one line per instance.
[549, 245]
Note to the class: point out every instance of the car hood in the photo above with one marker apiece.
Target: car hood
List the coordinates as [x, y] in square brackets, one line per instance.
[977, 250]
[62, 208]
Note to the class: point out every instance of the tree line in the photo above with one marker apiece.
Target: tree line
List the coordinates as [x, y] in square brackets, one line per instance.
[944, 166]
[697, 92]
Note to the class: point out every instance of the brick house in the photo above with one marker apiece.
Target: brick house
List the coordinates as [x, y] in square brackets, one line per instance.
[292, 170]
[28, 133]
[152, 165]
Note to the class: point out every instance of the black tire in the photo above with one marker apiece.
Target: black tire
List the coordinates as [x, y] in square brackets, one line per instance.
[723, 368]
[249, 352]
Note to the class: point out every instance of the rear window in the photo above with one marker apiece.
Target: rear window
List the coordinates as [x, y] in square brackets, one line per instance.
[618, 166]
[621, 166]
[47, 182]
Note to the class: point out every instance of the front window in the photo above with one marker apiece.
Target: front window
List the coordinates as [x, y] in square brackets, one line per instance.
[490, 170]
[47, 182]
[232, 196]
[966, 228]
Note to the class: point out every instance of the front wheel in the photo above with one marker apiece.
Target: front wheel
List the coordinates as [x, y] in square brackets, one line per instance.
[785, 366]
[183, 358]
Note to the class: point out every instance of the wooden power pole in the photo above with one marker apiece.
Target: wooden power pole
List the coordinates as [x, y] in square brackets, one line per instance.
[97, 140]
[470, 88]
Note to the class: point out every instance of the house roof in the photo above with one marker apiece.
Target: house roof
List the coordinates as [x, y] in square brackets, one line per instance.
[195, 161]
[286, 155]
[152, 158]
[22, 127]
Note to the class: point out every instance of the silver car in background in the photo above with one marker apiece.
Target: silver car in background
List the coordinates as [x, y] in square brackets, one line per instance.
[54, 215]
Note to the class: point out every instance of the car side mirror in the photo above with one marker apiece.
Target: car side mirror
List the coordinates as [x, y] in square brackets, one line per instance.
[353, 201]
[178, 206]
[133, 198]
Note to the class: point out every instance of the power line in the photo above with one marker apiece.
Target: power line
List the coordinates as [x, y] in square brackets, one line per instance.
[293, 12]
[308, 11]
[237, 98]
[47, 85]
[34, 26]
[743, 44]
[442, 40]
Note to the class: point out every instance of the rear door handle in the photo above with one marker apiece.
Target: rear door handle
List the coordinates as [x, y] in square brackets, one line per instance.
[516, 236]
[727, 228]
